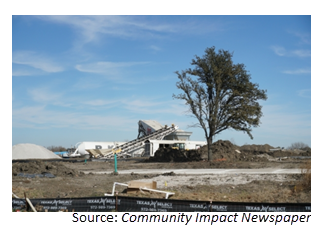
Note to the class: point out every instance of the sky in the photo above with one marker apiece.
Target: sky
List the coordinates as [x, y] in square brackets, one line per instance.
[92, 78]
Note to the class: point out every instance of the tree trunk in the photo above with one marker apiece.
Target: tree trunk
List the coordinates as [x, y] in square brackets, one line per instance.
[209, 145]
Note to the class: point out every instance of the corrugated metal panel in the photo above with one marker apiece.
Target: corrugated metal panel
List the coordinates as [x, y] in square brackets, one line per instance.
[153, 124]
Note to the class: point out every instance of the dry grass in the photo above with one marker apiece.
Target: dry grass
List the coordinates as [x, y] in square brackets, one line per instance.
[305, 183]
[257, 191]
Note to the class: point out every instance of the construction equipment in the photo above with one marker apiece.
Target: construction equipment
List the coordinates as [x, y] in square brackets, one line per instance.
[139, 143]
[151, 136]
[179, 146]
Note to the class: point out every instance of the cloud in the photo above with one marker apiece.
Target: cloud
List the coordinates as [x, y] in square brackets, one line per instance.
[101, 102]
[304, 37]
[45, 96]
[19, 72]
[305, 93]
[97, 102]
[155, 48]
[40, 118]
[138, 105]
[154, 106]
[34, 60]
[126, 112]
[281, 51]
[282, 120]
[113, 70]
[302, 53]
[90, 28]
[298, 71]
[26, 116]
[87, 83]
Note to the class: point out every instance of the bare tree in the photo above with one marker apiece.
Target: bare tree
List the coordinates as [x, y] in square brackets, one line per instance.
[56, 148]
[220, 95]
[299, 145]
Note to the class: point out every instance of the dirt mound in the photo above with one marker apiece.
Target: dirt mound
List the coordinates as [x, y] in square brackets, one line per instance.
[42, 167]
[226, 151]
[221, 151]
[289, 153]
[175, 155]
[258, 148]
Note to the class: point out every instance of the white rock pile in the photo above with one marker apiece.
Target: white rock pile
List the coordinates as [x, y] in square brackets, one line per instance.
[32, 151]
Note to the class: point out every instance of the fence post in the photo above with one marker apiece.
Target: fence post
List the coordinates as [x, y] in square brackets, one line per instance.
[27, 205]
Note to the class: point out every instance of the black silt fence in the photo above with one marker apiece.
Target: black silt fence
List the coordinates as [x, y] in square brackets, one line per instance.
[132, 204]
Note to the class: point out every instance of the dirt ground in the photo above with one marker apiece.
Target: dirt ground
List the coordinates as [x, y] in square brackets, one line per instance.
[69, 181]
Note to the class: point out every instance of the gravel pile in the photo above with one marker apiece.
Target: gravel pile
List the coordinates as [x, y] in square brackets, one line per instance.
[32, 151]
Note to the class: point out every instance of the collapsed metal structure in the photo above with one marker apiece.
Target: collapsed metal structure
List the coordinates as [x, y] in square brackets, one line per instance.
[151, 136]
[135, 146]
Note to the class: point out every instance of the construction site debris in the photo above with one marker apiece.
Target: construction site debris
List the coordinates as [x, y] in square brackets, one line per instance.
[175, 155]
[136, 145]
[49, 175]
[265, 155]
[42, 167]
[224, 151]
[168, 174]
[221, 150]
[140, 184]
[261, 188]
[134, 186]
[290, 153]
[14, 195]
[258, 148]
[140, 187]
[97, 153]
[30, 204]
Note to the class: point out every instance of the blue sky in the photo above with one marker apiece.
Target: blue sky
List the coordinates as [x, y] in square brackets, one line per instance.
[92, 78]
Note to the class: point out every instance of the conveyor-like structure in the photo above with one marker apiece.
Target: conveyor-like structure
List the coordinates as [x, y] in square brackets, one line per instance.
[131, 146]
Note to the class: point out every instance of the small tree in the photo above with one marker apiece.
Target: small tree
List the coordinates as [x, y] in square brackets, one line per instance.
[220, 95]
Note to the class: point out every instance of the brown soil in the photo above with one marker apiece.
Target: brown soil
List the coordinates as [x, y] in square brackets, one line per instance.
[69, 181]
[225, 151]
